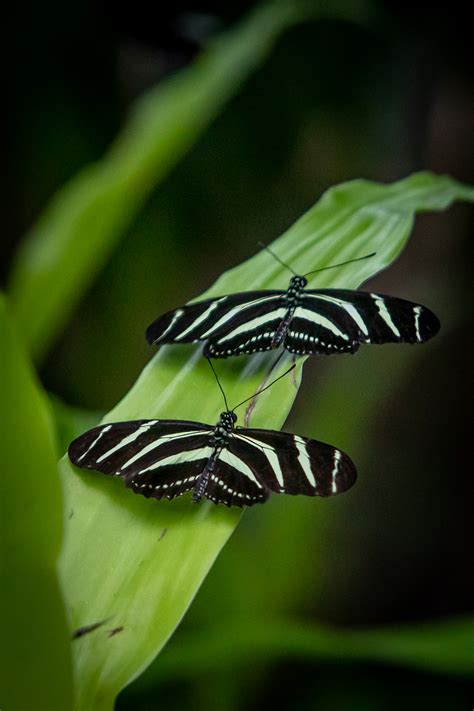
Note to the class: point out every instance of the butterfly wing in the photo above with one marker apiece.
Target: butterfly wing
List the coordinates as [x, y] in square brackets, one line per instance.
[265, 461]
[234, 481]
[251, 330]
[210, 318]
[339, 320]
[164, 459]
[155, 458]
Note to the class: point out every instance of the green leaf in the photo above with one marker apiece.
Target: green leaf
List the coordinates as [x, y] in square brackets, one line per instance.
[36, 670]
[137, 563]
[84, 221]
[444, 647]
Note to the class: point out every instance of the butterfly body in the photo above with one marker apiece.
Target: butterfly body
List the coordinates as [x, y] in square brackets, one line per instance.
[292, 299]
[226, 464]
[218, 440]
[303, 321]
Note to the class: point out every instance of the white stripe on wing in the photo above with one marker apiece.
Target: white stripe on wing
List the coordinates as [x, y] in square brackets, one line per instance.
[166, 439]
[319, 320]
[254, 324]
[128, 440]
[346, 305]
[305, 460]
[227, 318]
[385, 314]
[270, 454]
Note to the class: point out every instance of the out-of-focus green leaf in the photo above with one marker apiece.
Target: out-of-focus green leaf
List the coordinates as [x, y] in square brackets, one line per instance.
[36, 670]
[83, 222]
[446, 647]
[137, 563]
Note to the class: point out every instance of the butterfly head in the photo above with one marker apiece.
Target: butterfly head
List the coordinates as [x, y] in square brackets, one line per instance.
[227, 420]
[298, 282]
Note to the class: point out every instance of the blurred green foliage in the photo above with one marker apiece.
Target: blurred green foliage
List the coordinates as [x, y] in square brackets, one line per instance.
[36, 667]
[446, 647]
[91, 213]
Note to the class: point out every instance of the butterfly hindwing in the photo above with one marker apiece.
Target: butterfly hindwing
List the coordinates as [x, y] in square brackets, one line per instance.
[251, 330]
[312, 332]
[170, 480]
[234, 482]
[155, 458]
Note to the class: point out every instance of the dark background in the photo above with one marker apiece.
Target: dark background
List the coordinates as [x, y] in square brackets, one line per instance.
[334, 101]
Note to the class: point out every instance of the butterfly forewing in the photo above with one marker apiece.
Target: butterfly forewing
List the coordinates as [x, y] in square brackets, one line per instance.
[200, 321]
[156, 458]
[332, 320]
[289, 464]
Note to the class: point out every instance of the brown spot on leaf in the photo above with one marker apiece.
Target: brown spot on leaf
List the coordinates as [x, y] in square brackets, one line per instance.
[115, 630]
[81, 631]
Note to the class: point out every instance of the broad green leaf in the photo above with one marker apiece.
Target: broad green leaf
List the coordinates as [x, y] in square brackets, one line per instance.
[296, 576]
[137, 564]
[36, 670]
[75, 235]
[371, 377]
[444, 647]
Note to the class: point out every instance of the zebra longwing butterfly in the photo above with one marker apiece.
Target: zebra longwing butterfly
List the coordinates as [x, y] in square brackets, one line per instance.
[229, 465]
[303, 321]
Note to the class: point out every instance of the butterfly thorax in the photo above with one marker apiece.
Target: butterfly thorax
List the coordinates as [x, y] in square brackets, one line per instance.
[293, 293]
[220, 435]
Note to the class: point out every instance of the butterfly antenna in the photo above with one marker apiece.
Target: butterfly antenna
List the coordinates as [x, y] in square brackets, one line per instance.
[266, 387]
[219, 384]
[341, 264]
[262, 244]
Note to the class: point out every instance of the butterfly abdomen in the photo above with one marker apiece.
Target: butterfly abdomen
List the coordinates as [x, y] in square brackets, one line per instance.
[282, 329]
[201, 484]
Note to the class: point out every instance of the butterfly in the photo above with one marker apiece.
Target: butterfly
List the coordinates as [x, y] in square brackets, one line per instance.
[226, 464]
[302, 321]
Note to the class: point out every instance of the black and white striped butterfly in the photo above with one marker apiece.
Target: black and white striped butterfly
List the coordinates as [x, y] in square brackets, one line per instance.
[303, 321]
[229, 465]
